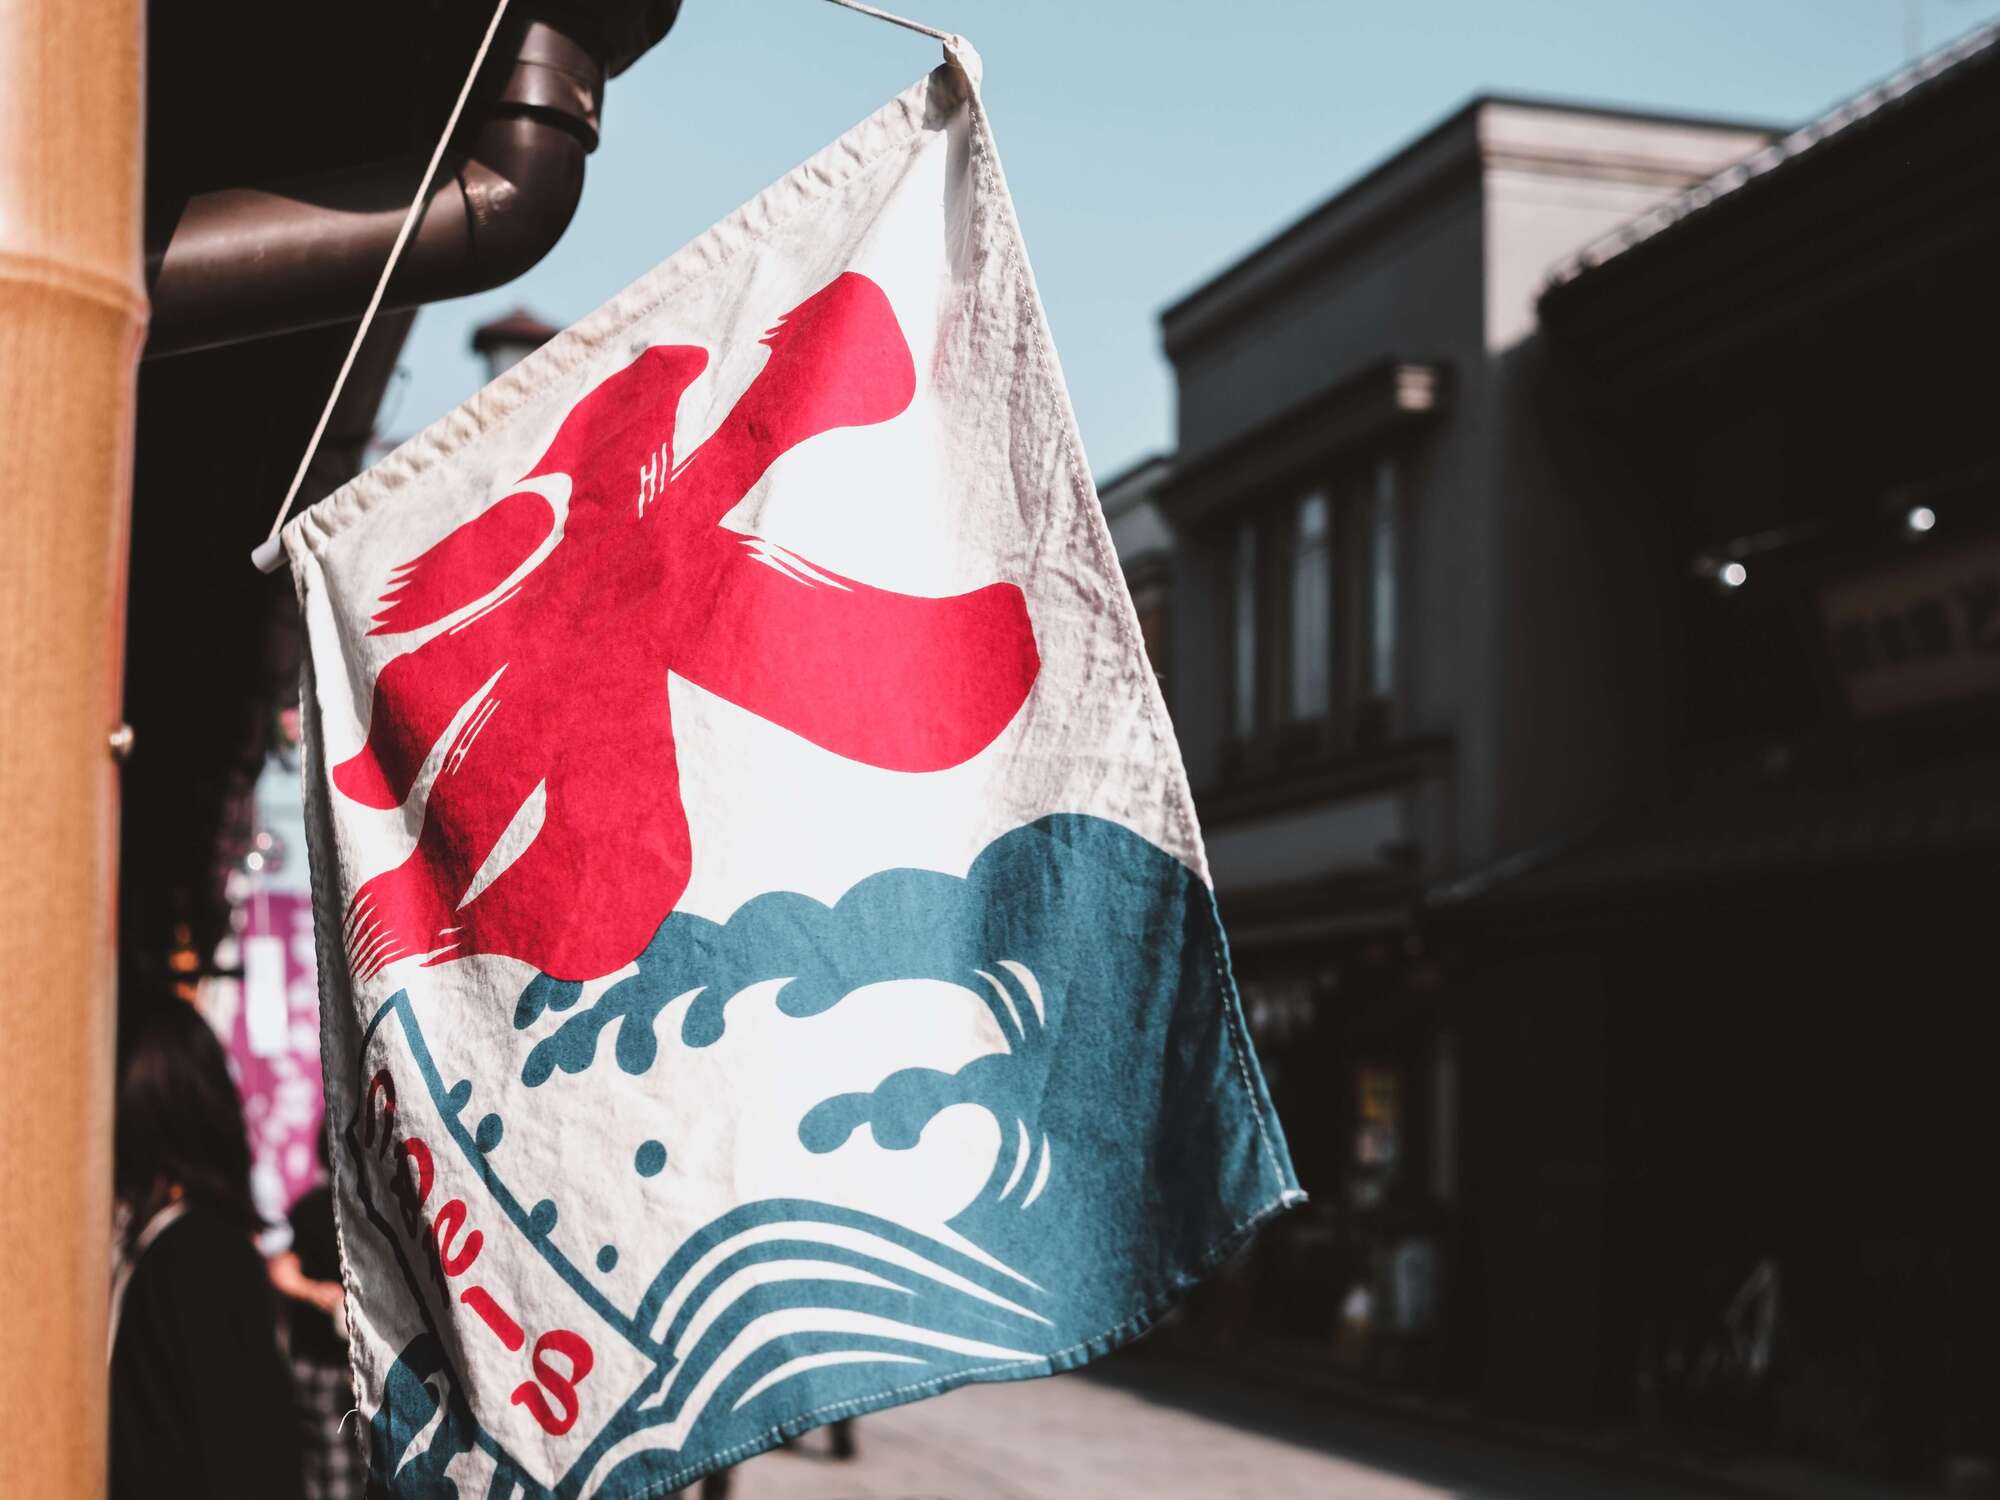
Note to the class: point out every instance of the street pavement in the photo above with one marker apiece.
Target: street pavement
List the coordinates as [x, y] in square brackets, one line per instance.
[1133, 1429]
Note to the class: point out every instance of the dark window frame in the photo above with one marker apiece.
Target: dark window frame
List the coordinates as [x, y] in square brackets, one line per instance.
[1354, 716]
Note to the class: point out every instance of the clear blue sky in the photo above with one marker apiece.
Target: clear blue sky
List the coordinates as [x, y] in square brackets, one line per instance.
[1148, 142]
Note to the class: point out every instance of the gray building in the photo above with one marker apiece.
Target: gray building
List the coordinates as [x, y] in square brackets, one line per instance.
[1391, 569]
[1397, 619]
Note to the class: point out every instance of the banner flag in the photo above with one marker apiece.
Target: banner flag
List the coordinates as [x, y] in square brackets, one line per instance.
[768, 965]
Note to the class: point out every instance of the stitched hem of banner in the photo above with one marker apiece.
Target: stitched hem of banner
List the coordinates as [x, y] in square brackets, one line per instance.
[334, 979]
[1083, 490]
[1013, 245]
[1070, 1358]
[874, 142]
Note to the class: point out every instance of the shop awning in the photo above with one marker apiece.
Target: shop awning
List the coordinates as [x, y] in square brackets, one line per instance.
[1772, 831]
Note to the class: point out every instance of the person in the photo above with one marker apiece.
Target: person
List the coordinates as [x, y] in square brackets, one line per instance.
[308, 1276]
[201, 1401]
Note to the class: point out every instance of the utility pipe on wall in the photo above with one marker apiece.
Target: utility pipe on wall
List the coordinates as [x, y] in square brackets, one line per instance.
[242, 263]
[72, 317]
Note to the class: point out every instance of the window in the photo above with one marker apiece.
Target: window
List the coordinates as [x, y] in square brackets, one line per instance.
[1382, 582]
[1244, 587]
[1309, 668]
[1313, 614]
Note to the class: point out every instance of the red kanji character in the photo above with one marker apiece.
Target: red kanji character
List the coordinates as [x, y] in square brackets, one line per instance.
[568, 666]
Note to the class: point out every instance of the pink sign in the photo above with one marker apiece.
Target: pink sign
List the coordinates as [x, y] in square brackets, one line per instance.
[273, 1043]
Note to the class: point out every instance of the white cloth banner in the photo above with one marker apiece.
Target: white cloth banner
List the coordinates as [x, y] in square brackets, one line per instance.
[767, 959]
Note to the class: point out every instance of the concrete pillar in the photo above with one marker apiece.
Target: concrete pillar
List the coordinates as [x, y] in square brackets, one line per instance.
[72, 317]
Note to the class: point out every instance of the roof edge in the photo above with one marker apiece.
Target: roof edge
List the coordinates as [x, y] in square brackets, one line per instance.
[1188, 307]
[1973, 48]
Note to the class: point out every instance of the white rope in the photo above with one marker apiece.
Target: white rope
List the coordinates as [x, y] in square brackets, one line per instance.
[267, 556]
[894, 20]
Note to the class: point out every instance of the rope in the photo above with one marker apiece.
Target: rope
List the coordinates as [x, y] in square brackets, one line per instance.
[267, 556]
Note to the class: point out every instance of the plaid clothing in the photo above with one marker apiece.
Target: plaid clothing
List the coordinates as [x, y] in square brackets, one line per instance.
[334, 1466]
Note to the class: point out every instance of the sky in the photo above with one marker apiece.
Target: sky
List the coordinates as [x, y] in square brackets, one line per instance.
[1148, 145]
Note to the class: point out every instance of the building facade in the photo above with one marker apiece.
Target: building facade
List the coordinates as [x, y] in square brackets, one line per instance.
[1572, 589]
[1391, 645]
[1785, 951]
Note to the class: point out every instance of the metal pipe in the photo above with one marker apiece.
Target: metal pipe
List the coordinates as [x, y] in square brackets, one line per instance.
[72, 314]
[243, 263]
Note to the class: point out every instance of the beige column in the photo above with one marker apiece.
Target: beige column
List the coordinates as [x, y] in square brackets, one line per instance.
[72, 316]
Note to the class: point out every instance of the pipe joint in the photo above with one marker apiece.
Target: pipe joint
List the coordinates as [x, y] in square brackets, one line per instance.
[246, 263]
[556, 79]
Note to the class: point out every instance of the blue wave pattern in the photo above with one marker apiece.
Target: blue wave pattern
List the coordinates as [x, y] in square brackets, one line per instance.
[1138, 1149]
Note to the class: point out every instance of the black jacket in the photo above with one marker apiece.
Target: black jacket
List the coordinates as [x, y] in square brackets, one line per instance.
[201, 1399]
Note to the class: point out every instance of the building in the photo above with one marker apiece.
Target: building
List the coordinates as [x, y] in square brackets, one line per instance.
[1577, 631]
[504, 342]
[1145, 544]
[1784, 952]
[1389, 654]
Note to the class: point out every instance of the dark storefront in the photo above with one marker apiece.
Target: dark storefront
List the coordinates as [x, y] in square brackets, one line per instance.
[1361, 1067]
[1728, 1107]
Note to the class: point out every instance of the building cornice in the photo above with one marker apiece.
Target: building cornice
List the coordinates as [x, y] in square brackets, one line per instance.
[1489, 133]
[1381, 401]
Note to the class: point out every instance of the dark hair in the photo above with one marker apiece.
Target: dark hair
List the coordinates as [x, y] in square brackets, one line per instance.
[180, 1119]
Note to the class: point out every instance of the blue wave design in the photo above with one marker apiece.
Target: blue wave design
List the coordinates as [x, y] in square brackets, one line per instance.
[900, 924]
[700, 1246]
[1138, 1146]
[923, 1320]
